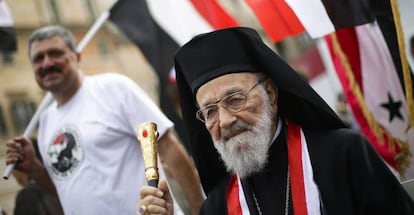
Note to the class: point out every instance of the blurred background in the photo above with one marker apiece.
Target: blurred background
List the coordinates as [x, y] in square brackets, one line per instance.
[110, 50]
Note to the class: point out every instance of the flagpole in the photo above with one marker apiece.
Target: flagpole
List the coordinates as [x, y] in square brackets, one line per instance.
[329, 69]
[48, 97]
[404, 63]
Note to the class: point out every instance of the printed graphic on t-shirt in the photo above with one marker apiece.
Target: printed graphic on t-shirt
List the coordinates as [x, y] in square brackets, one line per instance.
[65, 153]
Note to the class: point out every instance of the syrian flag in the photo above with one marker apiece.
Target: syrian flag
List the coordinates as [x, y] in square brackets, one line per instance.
[183, 19]
[276, 18]
[214, 14]
[7, 35]
[368, 65]
[321, 17]
[373, 89]
[158, 28]
[179, 19]
[134, 19]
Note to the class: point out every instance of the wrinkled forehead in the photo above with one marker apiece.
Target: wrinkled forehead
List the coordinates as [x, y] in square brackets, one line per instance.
[43, 45]
[221, 86]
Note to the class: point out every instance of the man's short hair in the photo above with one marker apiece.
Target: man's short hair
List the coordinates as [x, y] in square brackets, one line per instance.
[52, 31]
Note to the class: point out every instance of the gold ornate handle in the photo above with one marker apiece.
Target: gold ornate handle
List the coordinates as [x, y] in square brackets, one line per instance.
[147, 137]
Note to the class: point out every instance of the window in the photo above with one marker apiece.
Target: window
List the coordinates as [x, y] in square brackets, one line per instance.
[7, 58]
[22, 111]
[3, 127]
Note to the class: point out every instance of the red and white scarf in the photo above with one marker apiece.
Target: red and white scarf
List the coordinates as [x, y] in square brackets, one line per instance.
[305, 195]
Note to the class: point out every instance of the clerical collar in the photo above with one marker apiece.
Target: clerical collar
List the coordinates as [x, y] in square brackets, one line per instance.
[278, 129]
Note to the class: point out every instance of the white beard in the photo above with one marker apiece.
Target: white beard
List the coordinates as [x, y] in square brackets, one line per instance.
[247, 152]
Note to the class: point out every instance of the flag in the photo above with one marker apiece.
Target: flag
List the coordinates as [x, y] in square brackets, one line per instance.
[371, 84]
[321, 17]
[355, 51]
[276, 18]
[158, 28]
[183, 19]
[7, 35]
[309, 63]
[133, 18]
[178, 18]
[214, 14]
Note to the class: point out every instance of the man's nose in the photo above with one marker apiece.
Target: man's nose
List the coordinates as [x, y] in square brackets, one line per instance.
[225, 117]
[47, 62]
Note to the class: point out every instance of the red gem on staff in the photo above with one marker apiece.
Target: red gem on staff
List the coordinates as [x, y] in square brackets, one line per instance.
[144, 133]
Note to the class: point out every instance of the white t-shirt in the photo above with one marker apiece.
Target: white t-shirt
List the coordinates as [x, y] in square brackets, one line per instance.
[90, 149]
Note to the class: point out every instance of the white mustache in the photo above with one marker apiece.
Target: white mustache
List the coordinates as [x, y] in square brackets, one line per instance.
[236, 128]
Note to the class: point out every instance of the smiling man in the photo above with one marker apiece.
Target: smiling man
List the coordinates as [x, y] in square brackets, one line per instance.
[265, 142]
[87, 136]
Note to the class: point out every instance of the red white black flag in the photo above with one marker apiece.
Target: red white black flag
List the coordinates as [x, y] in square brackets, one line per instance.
[276, 18]
[321, 17]
[7, 34]
[159, 27]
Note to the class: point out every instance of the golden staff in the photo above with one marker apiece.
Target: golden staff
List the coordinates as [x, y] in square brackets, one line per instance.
[147, 137]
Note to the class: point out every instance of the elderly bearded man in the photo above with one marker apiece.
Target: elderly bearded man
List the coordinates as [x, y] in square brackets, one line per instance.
[284, 150]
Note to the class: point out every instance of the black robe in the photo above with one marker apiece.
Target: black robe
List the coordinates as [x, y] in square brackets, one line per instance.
[351, 178]
[350, 175]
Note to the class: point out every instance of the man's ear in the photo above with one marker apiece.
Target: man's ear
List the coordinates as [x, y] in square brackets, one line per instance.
[271, 91]
[78, 57]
